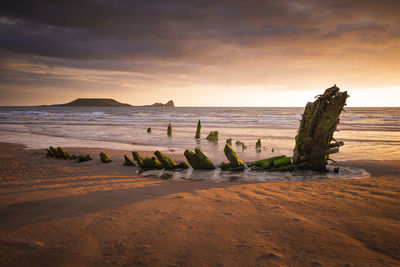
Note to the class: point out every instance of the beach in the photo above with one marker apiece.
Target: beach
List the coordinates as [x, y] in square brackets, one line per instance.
[57, 212]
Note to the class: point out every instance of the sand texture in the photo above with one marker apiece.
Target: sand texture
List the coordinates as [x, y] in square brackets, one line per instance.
[60, 213]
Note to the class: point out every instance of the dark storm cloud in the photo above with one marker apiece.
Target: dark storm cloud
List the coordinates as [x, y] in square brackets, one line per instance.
[180, 29]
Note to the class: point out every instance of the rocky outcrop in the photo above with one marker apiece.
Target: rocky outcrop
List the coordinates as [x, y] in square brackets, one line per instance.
[168, 104]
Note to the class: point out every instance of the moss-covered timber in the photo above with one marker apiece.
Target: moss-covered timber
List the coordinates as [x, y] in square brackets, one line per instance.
[149, 130]
[229, 141]
[314, 140]
[182, 165]
[169, 130]
[139, 160]
[59, 152]
[258, 143]
[104, 157]
[228, 167]
[198, 160]
[128, 161]
[54, 152]
[198, 130]
[234, 161]
[279, 163]
[82, 158]
[151, 163]
[166, 162]
[213, 136]
[62, 154]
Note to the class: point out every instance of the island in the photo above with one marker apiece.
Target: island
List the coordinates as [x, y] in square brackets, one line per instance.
[168, 104]
[93, 102]
[106, 102]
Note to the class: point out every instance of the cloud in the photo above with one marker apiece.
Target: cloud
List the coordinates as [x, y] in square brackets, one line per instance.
[181, 43]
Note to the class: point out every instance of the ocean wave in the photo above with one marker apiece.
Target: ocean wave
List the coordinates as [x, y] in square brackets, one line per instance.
[373, 117]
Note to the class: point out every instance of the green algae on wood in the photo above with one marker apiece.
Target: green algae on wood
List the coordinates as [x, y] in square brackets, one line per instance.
[182, 165]
[104, 157]
[82, 158]
[128, 161]
[205, 162]
[62, 154]
[235, 163]
[198, 130]
[282, 162]
[49, 153]
[58, 152]
[151, 163]
[233, 158]
[314, 140]
[149, 130]
[169, 130]
[139, 160]
[258, 163]
[166, 162]
[213, 136]
[54, 152]
[258, 143]
[191, 158]
[228, 167]
[198, 160]
[269, 164]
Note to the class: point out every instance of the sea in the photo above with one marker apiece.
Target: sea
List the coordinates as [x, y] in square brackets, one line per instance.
[368, 133]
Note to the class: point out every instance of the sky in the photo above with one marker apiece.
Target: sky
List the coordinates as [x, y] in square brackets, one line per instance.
[199, 53]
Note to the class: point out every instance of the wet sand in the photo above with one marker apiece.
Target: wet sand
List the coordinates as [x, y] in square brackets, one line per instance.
[60, 213]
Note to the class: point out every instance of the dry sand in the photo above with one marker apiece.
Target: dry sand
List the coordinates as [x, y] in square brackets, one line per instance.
[60, 213]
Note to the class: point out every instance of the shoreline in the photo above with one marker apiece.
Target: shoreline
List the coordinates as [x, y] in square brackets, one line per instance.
[56, 212]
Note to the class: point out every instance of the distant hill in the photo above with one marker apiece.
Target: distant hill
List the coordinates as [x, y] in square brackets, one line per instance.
[107, 102]
[168, 104]
[93, 102]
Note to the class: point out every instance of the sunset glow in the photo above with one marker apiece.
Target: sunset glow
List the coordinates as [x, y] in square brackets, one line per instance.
[229, 53]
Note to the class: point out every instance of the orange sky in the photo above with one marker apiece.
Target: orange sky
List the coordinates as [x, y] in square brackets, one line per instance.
[225, 53]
